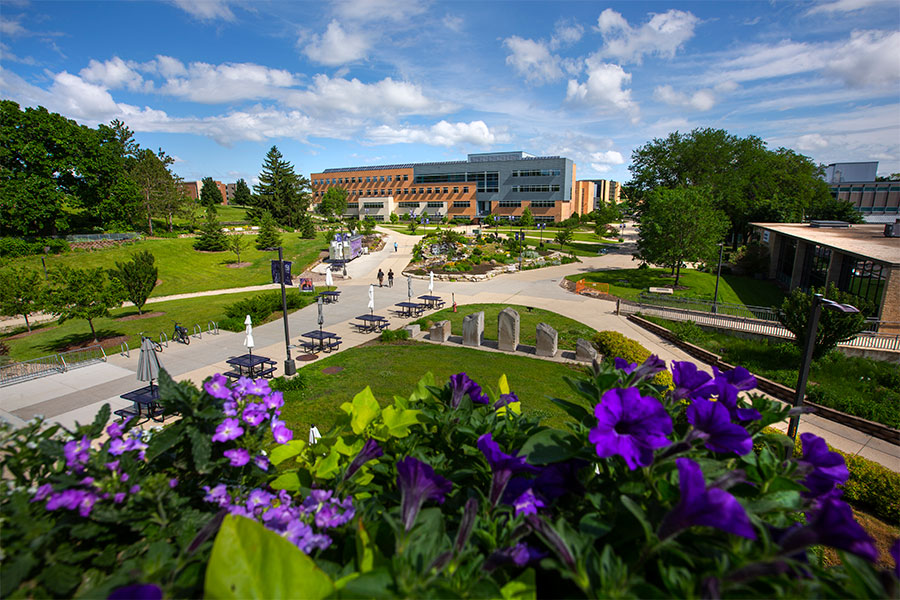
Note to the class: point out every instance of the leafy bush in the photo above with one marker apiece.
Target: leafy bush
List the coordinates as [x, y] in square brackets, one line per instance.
[295, 383]
[834, 327]
[260, 307]
[689, 331]
[394, 335]
[752, 258]
[612, 344]
[13, 247]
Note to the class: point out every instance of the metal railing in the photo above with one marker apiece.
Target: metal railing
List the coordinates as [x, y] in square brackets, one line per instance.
[163, 339]
[96, 237]
[766, 313]
[198, 331]
[124, 350]
[212, 328]
[49, 365]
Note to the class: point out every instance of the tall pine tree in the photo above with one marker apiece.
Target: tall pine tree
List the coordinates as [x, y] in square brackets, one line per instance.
[282, 192]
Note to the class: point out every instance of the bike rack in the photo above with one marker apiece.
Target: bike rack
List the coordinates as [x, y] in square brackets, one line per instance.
[212, 328]
[198, 331]
[123, 350]
[163, 339]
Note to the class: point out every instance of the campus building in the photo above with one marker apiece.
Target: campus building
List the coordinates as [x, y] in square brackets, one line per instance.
[192, 189]
[878, 201]
[858, 259]
[500, 183]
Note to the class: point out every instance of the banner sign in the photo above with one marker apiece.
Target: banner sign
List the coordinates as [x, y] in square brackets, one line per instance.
[276, 275]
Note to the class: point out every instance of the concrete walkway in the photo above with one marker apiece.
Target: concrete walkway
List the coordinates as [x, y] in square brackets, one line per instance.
[77, 395]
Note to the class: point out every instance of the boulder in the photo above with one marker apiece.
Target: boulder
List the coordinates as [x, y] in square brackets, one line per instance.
[508, 330]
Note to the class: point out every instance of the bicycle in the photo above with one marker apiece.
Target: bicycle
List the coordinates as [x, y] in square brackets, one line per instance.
[153, 343]
[181, 335]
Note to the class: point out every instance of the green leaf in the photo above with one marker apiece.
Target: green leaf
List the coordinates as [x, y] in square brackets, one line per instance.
[365, 549]
[201, 449]
[550, 446]
[164, 440]
[374, 584]
[398, 422]
[421, 392]
[363, 410]
[577, 412]
[282, 452]
[522, 587]
[100, 421]
[286, 481]
[786, 500]
[638, 513]
[342, 447]
[14, 570]
[327, 467]
[249, 561]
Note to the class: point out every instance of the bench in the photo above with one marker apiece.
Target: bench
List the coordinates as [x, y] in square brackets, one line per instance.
[266, 372]
[233, 374]
[126, 413]
[661, 290]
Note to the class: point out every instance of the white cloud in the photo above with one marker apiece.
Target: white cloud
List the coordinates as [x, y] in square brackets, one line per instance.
[168, 67]
[114, 73]
[869, 57]
[10, 27]
[385, 98]
[379, 10]
[476, 133]
[566, 34]
[610, 157]
[811, 141]
[841, 6]
[206, 10]
[532, 60]
[604, 88]
[453, 22]
[336, 46]
[662, 35]
[228, 82]
[701, 100]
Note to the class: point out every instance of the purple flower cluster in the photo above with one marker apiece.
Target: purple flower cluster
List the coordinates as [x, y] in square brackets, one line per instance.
[646, 370]
[693, 384]
[630, 425]
[503, 466]
[460, 385]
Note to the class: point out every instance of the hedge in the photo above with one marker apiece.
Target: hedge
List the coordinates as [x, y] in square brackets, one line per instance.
[612, 344]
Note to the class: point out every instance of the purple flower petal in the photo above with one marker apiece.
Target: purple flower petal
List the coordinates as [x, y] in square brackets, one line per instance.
[689, 381]
[217, 387]
[527, 503]
[503, 466]
[238, 457]
[229, 429]
[141, 591]
[713, 419]
[828, 469]
[418, 482]
[370, 450]
[631, 426]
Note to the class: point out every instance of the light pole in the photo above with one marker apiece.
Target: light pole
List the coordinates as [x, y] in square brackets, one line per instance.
[817, 303]
[541, 227]
[715, 307]
[290, 367]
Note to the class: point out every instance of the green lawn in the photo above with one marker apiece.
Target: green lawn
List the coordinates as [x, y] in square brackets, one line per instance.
[393, 369]
[52, 338]
[733, 289]
[569, 330]
[183, 269]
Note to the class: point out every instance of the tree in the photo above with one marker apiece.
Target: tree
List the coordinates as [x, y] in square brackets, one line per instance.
[210, 196]
[413, 225]
[236, 243]
[211, 239]
[137, 277]
[679, 226]
[834, 327]
[282, 192]
[333, 203]
[242, 196]
[394, 218]
[21, 291]
[527, 219]
[835, 209]
[151, 174]
[490, 221]
[564, 236]
[367, 225]
[268, 236]
[82, 294]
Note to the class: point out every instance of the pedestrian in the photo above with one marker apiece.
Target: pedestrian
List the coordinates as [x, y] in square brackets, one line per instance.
[390, 278]
[380, 278]
[395, 246]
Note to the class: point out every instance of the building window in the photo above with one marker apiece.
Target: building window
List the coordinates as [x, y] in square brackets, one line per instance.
[535, 188]
[435, 205]
[428, 191]
[510, 203]
[537, 173]
[406, 178]
[382, 178]
[465, 189]
[815, 267]
[543, 203]
[863, 278]
[390, 178]
[446, 190]
[461, 204]
[456, 190]
[373, 204]
[408, 205]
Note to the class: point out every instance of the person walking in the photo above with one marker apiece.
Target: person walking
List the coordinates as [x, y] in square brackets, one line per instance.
[390, 278]
[395, 246]
[380, 278]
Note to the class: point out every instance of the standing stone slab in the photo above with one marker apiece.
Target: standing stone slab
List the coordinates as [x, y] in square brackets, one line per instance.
[508, 330]
[473, 329]
[585, 351]
[413, 330]
[547, 338]
[439, 332]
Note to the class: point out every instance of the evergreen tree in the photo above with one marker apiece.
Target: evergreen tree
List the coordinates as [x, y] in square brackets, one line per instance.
[282, 192]
[268, 236]
[242, 196]
[137, 277]
[211, 239]
[210, 195]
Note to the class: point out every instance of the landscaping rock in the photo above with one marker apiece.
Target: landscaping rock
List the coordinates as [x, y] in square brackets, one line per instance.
[473, 329]
[585, 351]
[413, 330]
[439, 332]
[508, 330]
[546, 340]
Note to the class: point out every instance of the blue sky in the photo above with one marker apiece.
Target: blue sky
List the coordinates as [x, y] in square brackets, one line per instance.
[360, 82]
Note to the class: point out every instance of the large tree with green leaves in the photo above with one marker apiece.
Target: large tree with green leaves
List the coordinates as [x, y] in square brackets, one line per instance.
[679, 226]
[137, 277]
[21, 291]
[150, 172]
[745, 180]
[834, 327]
[212, 238]
[242, 195]
[210, 195]
[281, 192]
[82, 294]
[527, 219]
[333, 203]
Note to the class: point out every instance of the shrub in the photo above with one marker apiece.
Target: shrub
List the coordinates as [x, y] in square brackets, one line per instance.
[296, 383]
[13, 247]
[834, 326]
[752, 259]
[394, 335]
[612, 344]
[261, 306]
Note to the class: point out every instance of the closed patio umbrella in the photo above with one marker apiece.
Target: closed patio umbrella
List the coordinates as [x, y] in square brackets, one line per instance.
[321, 305]
[371, 304]
[248, 339]
[431, 282]
[329, 280]
[409, 286]
[148, 363]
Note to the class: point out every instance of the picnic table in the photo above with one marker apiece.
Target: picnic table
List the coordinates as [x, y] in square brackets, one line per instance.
[250, 365]
[433, 301]
[370, 323]
[330, 296]
[408, 309]
[145, 399]
[327, 341]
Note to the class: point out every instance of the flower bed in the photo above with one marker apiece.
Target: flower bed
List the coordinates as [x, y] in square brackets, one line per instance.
[448, 492]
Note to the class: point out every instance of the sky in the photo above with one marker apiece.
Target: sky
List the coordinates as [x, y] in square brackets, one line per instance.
[217, 83]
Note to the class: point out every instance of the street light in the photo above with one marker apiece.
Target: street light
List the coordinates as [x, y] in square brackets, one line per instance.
[818, 302]
[290, 367]
[715, 307]
[541, 227]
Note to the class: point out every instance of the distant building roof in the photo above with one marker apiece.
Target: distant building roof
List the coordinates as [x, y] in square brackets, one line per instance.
[471, 158]
[864, 241]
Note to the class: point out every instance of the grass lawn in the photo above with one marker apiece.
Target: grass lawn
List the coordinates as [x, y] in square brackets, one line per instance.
[733, 289]
[394, 368]
[50, 338]
[183, 269]
[569, 330]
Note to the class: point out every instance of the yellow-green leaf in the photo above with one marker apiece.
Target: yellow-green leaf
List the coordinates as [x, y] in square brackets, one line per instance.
[286, 481]
[282, 452]
[327, 467]
[364, 410]
[503, 384]
[365, 550]
[398, 422]
[348, 449]
[521, 588]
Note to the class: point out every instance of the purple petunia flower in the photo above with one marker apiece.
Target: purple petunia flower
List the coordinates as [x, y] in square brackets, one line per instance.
[134, 489]
[141, 591]
[229, 429]
[503, 466]
[173, 483]
[699, 505]
[259, 499]
[112, 466]
[42, 492]
[230, 408]
[370, 450]
[505, 399]
[238, 457]
[217, 387]
[828, 468]
[418, 482]
[527, 503]
[275, 400]
[894, 551]
[116, 430]
[77, 453]
[282, 434]
[624, 366]
[519, 555]
[713, 421]
[727, 395]
[631, 426]
[119, 497]
[832, 525]
[261, 461]
[241, 386]
[650, 367]
[689, 381]
[739, 377]
[460, 385]
[218, 495]
[255, 417]
[470, 511]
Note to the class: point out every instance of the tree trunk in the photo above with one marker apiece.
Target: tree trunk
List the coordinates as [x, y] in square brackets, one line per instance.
[149, 220]
[677, 275]
[169, 221]
[93, 333]
[26, 321]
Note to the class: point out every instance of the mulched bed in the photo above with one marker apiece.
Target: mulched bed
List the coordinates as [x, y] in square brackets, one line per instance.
[332, 370]
[109, 342]
[146, 315]
[25, 333]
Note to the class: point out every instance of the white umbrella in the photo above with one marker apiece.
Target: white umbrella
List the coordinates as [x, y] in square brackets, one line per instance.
[314, 435]
[248, 340]
[328, 279]
[431, 282]
[371, 304]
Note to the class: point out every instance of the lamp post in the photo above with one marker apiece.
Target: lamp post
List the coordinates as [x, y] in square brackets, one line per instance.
[715, 306]
[818, 302]
[290, 367]
[541, 227]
